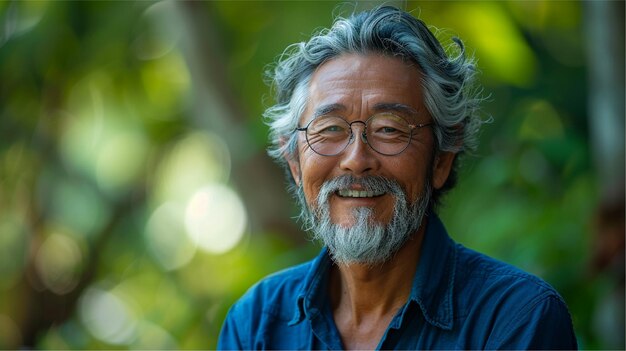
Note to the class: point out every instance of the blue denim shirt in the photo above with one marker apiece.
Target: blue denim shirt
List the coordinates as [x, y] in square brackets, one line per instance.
[460, 299]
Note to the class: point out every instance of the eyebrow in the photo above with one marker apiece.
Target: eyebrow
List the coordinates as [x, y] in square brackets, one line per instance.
[396, 107]
[379, 107]
[329, 108]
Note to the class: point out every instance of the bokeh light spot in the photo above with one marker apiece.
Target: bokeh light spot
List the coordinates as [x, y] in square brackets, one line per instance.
[58, 263]
[166, 238]
[83, 129]
[20, 17]
[215, 218]
[196, 160]
[107, 317]
[120, 160]
[152, 337]
[160, 32]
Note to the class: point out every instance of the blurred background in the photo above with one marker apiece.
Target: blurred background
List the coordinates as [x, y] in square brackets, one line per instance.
[137, 202]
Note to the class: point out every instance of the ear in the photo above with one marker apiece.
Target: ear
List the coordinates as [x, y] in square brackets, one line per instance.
[293, 161]
[294, 167]
[442, 167]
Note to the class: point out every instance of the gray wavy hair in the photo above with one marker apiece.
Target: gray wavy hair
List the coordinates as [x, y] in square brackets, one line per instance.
[448, 82]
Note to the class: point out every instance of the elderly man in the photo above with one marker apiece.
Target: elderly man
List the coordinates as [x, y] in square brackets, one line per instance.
[370, 118]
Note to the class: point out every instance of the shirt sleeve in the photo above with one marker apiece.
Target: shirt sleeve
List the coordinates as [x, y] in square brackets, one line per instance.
[229, 338]
[543, 324]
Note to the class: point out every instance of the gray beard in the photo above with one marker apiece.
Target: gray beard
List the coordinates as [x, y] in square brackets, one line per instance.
[366, 242]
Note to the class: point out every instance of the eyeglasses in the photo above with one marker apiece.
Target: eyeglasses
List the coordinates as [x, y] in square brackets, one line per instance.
[385, 133]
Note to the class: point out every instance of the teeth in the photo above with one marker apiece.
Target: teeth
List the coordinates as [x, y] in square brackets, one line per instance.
[357, 193]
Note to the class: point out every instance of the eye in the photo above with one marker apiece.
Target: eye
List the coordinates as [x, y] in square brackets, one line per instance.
[333, 129]
[388, 130]
[388, 125]
[328, 126]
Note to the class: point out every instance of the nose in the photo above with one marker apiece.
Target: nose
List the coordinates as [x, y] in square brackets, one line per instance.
[358, 158]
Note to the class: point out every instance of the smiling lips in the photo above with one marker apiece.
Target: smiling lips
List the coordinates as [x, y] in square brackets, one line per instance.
[358, 193]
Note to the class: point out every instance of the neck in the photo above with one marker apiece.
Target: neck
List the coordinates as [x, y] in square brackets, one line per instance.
[364, 293]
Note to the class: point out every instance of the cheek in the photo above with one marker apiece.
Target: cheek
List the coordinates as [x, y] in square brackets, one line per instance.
[314, 173]
[412, 175]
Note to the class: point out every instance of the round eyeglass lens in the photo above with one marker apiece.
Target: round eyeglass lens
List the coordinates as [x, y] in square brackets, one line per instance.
[388, 134]
[328, 135]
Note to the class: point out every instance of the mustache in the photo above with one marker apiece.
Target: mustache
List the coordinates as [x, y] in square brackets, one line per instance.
[367, 183]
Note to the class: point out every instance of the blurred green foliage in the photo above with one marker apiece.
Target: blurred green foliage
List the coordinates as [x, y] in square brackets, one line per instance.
[117, 144]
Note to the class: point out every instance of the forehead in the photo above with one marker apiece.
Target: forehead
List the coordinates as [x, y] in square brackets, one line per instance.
[359, 82]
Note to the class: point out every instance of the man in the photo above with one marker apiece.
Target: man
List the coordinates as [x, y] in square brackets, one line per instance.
[370, 118]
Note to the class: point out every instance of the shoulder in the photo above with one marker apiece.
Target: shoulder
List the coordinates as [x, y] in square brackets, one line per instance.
[477, 273]
[274, 296]
[268, 304]
[516, 309]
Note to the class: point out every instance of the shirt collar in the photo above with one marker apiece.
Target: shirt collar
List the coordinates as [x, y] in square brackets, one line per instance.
[433, 283]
